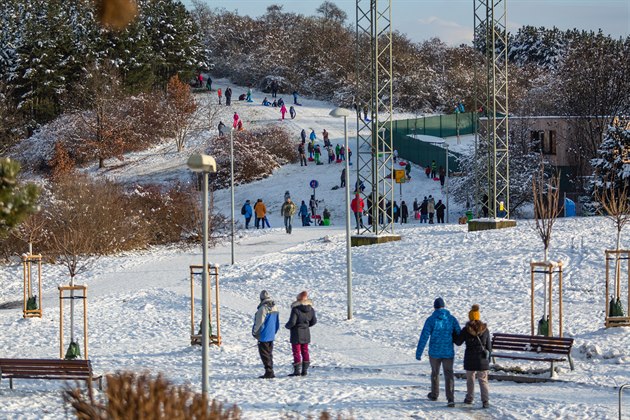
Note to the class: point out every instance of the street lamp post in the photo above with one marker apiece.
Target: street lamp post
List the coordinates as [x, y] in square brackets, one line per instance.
[446, 183]
[232, 185]
[204, 164]
[342, 112]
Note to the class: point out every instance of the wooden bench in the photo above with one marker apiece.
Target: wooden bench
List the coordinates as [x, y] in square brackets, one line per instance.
[80, 370]
[532, 347]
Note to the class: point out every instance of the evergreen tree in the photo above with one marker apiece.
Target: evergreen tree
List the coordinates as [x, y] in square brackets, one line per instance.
[16, 201]
[611, 167]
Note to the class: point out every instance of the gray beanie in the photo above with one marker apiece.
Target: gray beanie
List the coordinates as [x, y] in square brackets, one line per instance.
[264, 295]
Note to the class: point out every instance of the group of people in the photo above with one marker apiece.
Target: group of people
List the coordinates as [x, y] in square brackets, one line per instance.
[427, 209]
[433, 172]
[336, 154]
[258, 211]
[441, 330]
[267, 324]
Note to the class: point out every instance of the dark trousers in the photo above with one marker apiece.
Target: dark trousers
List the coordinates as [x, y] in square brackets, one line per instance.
[358, 216]
[440, 218]
[343, 182]
[228, 100]
[447, 367]
[266, 355]
[247, 220]
[302, 160]
[257, 223]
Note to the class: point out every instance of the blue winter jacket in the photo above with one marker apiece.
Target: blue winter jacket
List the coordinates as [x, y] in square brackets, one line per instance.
[248, 211]
[266, 322]
[303, 210]
[440, 327]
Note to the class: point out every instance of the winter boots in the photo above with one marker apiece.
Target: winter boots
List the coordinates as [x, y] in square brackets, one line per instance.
[297, 369]
[268, 374]
[305, 366]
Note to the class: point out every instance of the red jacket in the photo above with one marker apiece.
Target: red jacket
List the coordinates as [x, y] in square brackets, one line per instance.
[357, 205]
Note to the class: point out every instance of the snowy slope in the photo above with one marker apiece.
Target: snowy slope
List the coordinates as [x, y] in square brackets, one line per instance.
[139, 307]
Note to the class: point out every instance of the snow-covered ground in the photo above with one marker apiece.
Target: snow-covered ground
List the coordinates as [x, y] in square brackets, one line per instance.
[139, 305]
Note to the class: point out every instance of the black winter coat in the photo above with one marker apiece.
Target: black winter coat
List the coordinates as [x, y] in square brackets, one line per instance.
[474, 334]
[439, 209]
[302, 318]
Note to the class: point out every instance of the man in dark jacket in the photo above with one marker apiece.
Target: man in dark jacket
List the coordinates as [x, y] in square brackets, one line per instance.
[424, 211]
[476, 363]
[228, 96]
[440, 328]
[439, 211]
[266, 325]
[302, 154]
[404, 212]
[301, 319]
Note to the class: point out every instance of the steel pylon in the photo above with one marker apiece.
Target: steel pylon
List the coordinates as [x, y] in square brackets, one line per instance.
[375, 181]
[492, 169]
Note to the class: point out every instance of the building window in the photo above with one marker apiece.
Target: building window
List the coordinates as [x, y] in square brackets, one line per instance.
[538, 138]
[549, 142]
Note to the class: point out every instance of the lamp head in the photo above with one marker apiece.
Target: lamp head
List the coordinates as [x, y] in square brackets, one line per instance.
[340, 112]
[201, 163]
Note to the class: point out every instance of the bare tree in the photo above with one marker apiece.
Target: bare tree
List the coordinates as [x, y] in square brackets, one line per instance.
[546, 191]
[181, 111]
[615, 205]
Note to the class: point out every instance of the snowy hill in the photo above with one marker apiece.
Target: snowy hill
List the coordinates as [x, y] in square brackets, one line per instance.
[139, 306]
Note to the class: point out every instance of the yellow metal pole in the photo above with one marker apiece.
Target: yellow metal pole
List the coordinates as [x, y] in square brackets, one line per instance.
[531, 269]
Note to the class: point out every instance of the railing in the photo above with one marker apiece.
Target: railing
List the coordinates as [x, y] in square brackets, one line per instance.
[620, 394]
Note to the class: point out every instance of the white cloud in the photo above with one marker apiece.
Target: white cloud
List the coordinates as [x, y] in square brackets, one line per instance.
[448, 31]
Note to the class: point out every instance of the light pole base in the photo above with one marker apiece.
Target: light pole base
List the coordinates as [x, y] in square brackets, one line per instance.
[361, 240]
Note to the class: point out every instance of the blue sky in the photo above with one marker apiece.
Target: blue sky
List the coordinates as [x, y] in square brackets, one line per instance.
[452, 21]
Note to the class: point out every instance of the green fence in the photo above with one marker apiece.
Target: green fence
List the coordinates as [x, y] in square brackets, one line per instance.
[422, 152]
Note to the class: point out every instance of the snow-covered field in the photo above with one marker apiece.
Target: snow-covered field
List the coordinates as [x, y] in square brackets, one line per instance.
[139, 306]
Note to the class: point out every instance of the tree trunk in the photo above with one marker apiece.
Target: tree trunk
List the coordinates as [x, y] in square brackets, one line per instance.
[101, 163]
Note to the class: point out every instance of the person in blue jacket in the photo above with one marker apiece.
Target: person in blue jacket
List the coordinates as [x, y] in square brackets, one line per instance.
[303, 213]
[266, 325]
[438, 330]
[247, 212]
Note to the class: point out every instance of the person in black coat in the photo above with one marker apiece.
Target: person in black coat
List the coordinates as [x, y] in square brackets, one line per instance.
[439, 211]
[301, 320]
[476, 363]
[404, 212]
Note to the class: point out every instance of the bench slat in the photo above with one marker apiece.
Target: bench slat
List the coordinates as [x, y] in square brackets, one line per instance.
[528, 357]
[533, 349]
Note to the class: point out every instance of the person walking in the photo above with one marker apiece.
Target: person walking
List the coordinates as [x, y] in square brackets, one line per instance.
[266, 325]
[439, 211]
[404, 212]
[303, 213]
[408, 170]
[261, 211]
[433, 169]
[302, 154]
[431, 208]
[221, 128]
[300, 321]
[209, 84]
[287, 211]
[476, 357]
[220, 95]
[438, 330]
[313, 205]
[442, 175]
[247, 212]
[292, 112]
[357, 206]
[343, 178]
[228, 96]
[283, 111]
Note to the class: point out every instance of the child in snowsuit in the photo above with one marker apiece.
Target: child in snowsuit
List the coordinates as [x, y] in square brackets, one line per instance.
[283, 111]
[266, 325]
[301, 319]
[477, 338]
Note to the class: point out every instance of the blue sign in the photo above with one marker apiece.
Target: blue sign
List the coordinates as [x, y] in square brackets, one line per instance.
[314, 184]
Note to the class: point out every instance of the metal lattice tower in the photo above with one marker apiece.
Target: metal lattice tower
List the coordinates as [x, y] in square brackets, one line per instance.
[374, 136]
[491, 140]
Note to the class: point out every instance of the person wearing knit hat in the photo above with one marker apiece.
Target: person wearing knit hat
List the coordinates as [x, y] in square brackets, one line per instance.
[476, 358]
[266, 325]
[300, 321]
[438, 330]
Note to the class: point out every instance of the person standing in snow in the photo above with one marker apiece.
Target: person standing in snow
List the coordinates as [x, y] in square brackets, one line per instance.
[292, 112]
[295, 98]
[219, 94]
[303, 213]
[200, 80]
[325, 137]
[221, 128]
[249, 95]
[442, 175]
[302, 154]
[337, 151]
[261, 211]
[274, 88]
[266, 325]
[209, 84]
[439, 211]
[311, 150]
[331, 155]
[408, 170]
[477, 338]
[287, 211]
[424, 211]
[433, 169]
[247, 212]
[431, 208]
[357, 207]
[236, 119]
[300, 321]
[342, 153]
[228, 96]
[404, 212]
[439, 330]
[312, 137]
[395, 155]
[283, 111]
[313, 205]
[318, 153]
[303, 135]
[343, 178]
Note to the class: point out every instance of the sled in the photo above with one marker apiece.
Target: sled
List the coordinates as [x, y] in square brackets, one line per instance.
[338, 161]
[401, 163]
[436, 179]
[311, 159]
